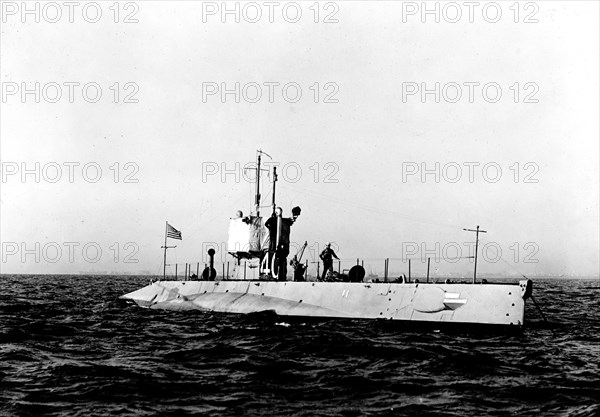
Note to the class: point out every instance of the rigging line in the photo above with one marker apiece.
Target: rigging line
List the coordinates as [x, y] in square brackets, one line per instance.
[539, 309]
[422, 261]
[345, 202]
[516, 270]
[197, 229]
[531, 296]
[371, 209]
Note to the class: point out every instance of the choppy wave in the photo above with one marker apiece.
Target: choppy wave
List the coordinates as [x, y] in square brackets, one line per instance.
[68, 346]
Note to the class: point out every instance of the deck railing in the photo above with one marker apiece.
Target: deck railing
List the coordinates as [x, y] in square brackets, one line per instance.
[376, 269]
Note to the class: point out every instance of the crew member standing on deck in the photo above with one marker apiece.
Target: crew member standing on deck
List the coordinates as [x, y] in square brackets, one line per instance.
[327, 257]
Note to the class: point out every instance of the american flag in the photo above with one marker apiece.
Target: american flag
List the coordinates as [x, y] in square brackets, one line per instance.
[173, 233]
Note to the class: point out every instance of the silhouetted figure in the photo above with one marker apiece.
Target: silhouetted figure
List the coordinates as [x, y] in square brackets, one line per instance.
[327, 257]
[279, 242]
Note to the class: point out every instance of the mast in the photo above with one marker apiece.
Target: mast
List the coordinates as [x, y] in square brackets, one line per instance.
[274, 181]
[477, 231]
[259, 154]
[257, 200]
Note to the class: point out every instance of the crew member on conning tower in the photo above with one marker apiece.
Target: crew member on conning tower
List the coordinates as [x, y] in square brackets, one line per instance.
[279, 241]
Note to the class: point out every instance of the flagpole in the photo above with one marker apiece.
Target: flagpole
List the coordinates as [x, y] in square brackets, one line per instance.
[175, 235]
[165, 257]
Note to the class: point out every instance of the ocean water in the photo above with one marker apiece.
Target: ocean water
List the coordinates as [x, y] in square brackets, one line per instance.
[70, 347]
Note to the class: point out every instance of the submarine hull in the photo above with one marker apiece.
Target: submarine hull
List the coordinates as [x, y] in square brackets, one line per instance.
[487, 304]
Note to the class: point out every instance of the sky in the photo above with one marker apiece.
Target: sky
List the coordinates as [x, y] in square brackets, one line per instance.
[394, 126]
